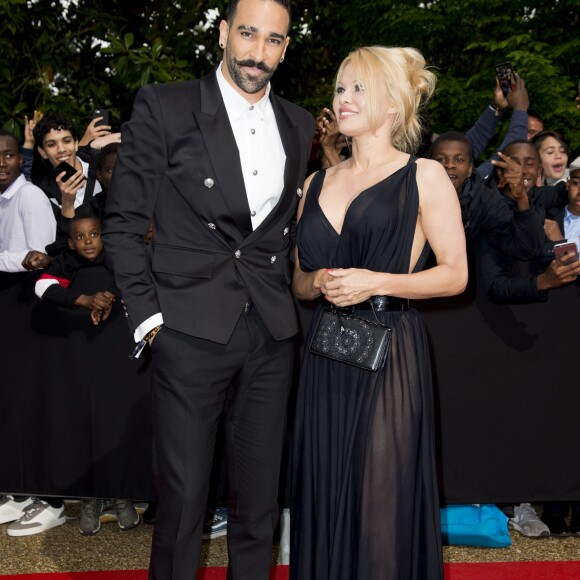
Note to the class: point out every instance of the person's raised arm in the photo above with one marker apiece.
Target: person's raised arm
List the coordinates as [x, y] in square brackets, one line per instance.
[519, 101]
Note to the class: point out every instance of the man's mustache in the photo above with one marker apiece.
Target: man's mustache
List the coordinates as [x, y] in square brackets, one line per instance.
[253, 63]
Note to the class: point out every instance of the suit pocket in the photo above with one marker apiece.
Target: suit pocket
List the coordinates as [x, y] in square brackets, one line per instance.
[182, 262]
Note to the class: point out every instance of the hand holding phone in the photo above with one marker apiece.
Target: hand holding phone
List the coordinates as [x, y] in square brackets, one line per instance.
[65, 167]
[566, 249]
[506, 75]
[104, 113]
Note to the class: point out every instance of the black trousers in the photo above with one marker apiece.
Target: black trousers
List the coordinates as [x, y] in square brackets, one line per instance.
[194, 381]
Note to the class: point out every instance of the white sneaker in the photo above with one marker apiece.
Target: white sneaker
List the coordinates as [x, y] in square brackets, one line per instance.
[38, 517]
[11, 510]
[527, 522]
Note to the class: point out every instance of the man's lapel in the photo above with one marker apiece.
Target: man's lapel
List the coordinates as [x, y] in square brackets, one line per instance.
[223, 152]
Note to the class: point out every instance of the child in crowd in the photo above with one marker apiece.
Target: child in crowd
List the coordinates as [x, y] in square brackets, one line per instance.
[553, 151]
[57, 285]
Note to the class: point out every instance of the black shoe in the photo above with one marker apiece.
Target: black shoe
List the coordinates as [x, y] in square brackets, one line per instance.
[150, 513]
[575, 524]
[556, 523]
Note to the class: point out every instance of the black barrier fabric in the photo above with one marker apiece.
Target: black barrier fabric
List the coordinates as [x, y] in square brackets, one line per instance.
[507, 395]
[507, 382]
[74, 410]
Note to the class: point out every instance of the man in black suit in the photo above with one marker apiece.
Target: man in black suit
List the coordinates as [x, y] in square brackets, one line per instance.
[217, 166]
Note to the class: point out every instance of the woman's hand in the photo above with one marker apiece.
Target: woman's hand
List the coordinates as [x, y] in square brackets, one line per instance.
[346, 287]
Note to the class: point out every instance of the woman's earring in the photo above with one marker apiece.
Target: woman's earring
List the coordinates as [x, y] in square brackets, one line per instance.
[282, 59]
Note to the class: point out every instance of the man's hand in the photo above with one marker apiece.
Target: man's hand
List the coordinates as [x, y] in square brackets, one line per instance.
[99, 301]
[101, 142]
[35, 260]
[560, 272]
[68, 191]
[552, 230]
[29, 125]
[511, 175]
[518, 98]
[93, 132]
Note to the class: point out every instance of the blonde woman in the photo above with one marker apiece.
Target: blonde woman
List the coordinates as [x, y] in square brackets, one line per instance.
[364, 485]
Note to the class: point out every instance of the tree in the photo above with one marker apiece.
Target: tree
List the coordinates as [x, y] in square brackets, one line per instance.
[98, 53]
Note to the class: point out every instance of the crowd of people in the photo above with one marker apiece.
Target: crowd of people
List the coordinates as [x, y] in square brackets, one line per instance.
[203, 280]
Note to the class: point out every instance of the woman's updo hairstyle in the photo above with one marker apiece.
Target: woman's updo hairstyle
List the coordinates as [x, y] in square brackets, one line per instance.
[408, 82]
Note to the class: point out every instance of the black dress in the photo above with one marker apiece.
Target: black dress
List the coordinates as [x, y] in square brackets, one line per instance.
[364, 490]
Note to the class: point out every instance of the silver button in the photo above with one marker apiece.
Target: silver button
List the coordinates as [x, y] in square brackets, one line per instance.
[299, 192]
[252, 108]
[253, 131]
[253, 213]
[237, 254]
[272, 259]
[255, 172]
[286, 230]
[209, 182]
[211, 226]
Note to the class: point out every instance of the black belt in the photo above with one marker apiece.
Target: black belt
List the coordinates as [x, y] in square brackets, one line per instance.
[383, 304]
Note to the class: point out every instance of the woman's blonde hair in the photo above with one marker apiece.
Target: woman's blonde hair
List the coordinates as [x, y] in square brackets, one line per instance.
[407, 80]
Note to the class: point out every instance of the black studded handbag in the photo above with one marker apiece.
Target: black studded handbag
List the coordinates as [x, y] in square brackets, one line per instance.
[351, 339]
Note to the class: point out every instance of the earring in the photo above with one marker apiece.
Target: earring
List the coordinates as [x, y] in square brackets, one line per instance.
[282, 59]
[221, 45]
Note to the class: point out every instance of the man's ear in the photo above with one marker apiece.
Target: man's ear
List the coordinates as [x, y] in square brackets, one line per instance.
[224, 31]
[286, 43]
[470, 170]
[41, 152]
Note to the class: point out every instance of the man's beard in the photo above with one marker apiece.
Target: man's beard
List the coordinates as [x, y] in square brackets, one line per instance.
[248, 85]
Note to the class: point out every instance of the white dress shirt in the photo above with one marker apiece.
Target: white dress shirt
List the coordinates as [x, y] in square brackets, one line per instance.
[26, 223]
[261, 151]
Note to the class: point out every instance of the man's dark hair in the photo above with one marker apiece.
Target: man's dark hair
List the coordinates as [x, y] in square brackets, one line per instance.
[535, 116]
[540, 137]
[452, 136]
[106, 150]
[520, 142]
[50, 121]
[6, 133]
[233, 6]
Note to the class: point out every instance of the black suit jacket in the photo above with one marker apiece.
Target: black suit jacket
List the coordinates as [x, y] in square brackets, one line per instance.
[178, 166]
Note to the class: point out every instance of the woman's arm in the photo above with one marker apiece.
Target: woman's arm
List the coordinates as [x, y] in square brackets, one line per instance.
[306, 285]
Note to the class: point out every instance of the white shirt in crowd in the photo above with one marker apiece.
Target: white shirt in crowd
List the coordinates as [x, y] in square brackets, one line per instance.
[26, 223]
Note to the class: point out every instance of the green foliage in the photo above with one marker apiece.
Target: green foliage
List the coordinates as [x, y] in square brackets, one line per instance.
[97, 53]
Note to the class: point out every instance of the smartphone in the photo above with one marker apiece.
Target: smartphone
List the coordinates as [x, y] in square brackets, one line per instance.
[66, 167]
[506, 75]
[566, 247]
[101, 113]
